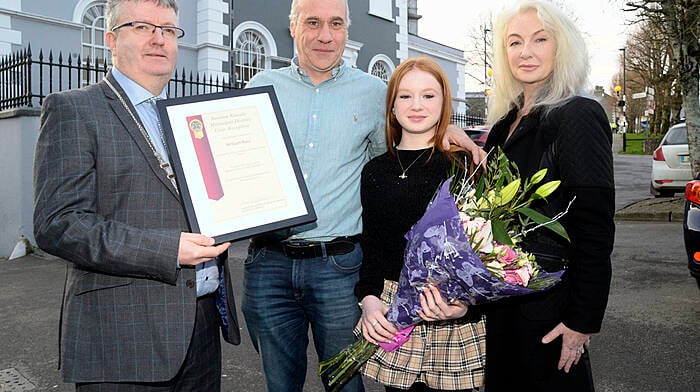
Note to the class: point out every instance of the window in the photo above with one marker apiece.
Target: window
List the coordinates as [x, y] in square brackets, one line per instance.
[381, 67]
[380, 70]
[93, 41]
[381, 8]
[248, 56]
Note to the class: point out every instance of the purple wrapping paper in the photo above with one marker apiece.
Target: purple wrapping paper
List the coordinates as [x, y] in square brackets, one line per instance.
[438, 253]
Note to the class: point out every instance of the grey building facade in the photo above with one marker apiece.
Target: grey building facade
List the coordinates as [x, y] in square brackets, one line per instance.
[229, 40]
[232, 38]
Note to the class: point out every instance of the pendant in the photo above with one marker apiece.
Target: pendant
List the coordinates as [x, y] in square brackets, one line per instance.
[402, 176]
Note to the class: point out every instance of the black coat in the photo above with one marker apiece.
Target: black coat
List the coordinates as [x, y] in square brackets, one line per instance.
[574, 143]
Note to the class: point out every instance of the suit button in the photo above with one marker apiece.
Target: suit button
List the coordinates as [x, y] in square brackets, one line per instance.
[189, 283]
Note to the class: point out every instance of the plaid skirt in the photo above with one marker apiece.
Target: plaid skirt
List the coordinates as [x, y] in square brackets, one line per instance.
[446, 355]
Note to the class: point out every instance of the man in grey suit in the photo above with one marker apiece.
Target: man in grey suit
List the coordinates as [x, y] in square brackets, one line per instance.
[145, 299]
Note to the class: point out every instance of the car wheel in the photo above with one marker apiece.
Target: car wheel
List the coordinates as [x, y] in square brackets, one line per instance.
[661, 192]
[653, 191]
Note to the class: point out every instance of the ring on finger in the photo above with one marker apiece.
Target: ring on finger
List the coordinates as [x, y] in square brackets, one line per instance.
[374, 323]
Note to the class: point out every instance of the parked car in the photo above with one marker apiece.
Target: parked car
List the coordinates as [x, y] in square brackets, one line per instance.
[691, 227]
[670, 168]
[478, 134]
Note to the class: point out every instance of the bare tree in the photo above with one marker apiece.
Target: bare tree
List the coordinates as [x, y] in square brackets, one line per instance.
[680, 22]
[650, 68]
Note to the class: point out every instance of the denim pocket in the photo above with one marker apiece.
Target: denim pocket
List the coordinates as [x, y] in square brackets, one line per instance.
[254, 254]
[349, 262]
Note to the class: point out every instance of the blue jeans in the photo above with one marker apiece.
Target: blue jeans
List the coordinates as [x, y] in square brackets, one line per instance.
[282, 296]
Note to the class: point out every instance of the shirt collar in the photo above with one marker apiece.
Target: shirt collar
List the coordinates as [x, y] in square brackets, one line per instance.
[297, 70]
[135, 92]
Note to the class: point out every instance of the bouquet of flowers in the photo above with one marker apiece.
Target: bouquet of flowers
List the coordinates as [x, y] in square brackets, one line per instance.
[466, 244]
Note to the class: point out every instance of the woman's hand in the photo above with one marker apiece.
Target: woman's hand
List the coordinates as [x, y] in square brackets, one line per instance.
[435, 308]
[572, 347]
[375, 327]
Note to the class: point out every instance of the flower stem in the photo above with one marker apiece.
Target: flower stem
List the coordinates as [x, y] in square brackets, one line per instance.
[342, 366]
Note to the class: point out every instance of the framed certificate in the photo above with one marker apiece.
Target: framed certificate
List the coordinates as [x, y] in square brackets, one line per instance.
[235, 164]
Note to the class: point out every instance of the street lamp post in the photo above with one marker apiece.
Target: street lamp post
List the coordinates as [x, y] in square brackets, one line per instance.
[617, 105]
[485, 59]
[486, 30]
[624, 86]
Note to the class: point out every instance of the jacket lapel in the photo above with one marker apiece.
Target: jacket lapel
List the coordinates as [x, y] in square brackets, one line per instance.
[132, 129]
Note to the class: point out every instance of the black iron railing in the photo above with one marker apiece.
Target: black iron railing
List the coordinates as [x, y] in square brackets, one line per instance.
[26, 81]
[466, 121]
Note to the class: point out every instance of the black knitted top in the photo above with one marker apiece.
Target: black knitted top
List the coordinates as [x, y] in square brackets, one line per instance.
[390, 207]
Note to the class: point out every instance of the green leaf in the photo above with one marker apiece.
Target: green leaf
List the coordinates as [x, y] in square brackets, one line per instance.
[541, 282]
[508, 192]
[541, 219]
[547, 188]
[500, 233]
[539, 176]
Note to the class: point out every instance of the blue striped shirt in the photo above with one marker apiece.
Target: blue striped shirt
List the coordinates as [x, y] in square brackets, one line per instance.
[336, 127]
[207, 273]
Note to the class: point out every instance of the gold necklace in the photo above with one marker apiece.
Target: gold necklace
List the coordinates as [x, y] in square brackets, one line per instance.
[403, 171]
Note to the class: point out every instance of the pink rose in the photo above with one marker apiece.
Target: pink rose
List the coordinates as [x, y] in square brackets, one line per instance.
[524, 274]
[505, 254]
[512, 277]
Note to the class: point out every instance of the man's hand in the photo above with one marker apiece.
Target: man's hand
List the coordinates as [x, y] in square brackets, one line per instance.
[572, 347]
[197, 248]
[456, 135]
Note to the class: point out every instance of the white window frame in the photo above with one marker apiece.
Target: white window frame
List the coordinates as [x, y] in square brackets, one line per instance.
[267, 41]
[385, 60]
[94, 51]
[382, 9]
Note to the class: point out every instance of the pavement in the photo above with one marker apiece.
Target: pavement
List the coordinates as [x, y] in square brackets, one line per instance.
[663, 209]
[31, 288]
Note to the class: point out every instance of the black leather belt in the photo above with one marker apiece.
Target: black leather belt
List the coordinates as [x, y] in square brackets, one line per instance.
[296, 249]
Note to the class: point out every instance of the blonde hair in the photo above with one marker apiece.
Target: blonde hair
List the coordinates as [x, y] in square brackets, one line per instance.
[571, 63]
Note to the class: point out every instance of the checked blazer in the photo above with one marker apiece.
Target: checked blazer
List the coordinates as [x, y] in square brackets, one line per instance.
[103, 204]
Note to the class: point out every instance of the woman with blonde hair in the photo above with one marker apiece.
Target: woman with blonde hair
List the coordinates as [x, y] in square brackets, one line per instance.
[444, 353]
[543, 118]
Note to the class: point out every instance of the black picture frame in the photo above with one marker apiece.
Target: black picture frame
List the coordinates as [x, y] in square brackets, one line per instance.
[234, 162]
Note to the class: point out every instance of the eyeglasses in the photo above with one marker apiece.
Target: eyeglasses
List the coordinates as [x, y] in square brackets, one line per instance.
[147, 29]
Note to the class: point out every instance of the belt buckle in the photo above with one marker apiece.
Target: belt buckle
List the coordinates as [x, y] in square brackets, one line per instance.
[297, 250]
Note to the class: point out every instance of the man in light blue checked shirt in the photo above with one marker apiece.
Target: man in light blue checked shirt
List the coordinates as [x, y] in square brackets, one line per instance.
[306, 275]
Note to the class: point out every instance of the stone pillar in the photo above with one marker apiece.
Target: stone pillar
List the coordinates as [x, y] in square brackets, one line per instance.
[212, 51]
[402, 35]
[413, 17]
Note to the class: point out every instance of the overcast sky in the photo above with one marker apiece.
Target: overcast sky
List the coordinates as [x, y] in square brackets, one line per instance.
[455, 22]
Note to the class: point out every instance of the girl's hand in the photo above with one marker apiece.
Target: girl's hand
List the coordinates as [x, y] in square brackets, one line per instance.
[435, 308]
[375, 327]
